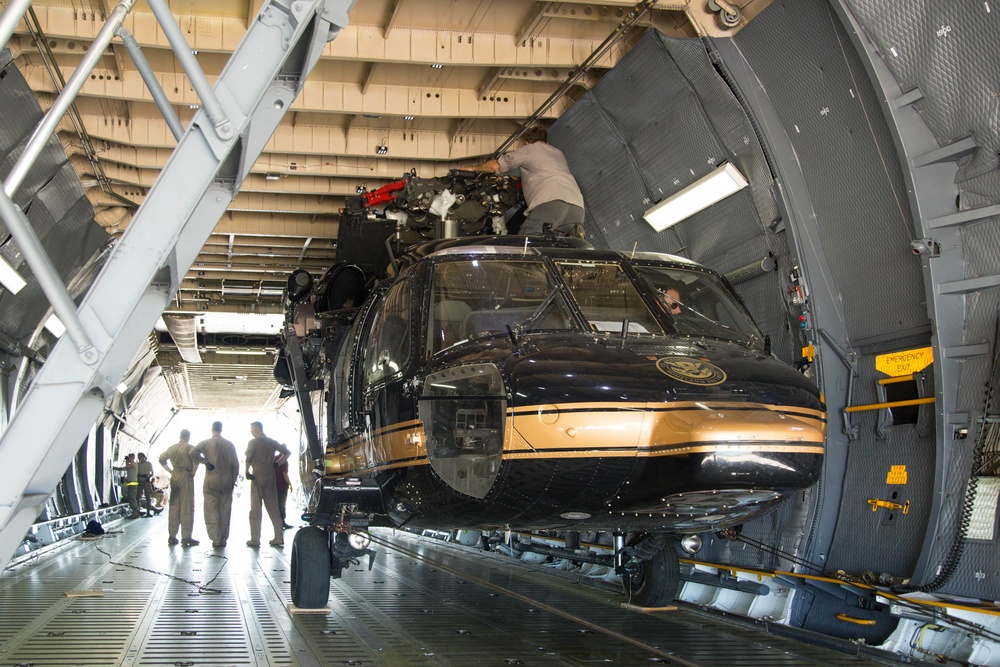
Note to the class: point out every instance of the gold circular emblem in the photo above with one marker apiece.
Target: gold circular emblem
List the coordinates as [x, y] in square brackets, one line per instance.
[691, 371]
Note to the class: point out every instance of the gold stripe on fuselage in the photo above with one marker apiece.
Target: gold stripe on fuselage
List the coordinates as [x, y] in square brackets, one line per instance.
[586, 430]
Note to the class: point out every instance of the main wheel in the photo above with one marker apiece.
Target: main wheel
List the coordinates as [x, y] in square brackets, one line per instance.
[656, 581]
[310, 568]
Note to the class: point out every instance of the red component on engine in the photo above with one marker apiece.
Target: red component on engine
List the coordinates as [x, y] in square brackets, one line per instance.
[384, 193]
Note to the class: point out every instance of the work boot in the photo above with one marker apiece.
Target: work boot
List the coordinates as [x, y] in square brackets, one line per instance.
[253, 543]
[172, 541]
[188, 542]
[276, 542]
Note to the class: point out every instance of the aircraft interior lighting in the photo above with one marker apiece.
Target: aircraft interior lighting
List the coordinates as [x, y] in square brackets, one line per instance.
[707, 190]
[10, 278]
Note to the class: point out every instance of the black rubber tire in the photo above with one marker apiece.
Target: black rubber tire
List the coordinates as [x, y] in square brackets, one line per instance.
[656, 582]
[310, 568]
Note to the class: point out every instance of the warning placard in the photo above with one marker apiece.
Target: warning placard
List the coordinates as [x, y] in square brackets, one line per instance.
[908, 362]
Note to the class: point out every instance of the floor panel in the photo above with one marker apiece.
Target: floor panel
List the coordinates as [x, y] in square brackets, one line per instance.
[424, 603]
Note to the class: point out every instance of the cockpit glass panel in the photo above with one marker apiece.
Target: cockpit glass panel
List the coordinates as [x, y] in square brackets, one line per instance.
[388, 348]
[699, 304]
[607, 298]
[485, 295]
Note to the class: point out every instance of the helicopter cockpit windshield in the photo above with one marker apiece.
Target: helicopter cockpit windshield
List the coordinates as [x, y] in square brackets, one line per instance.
[483, 295]
[699, 304]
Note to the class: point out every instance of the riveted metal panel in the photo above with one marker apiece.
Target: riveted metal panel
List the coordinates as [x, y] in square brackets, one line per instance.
[948, 51]
[831, 114]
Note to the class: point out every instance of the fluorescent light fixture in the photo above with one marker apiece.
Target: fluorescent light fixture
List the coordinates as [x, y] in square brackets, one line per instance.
[272, 177]
[10, 278]
[701, 194]
[240, 351]
[381, 150]
[437, 66]
[55, 325]
[407, 117]
[122, 387]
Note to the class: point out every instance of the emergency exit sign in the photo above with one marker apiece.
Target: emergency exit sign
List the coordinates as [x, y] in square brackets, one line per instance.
[908, 362]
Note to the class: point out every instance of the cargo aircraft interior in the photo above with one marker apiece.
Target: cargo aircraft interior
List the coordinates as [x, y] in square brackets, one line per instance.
[294, 374]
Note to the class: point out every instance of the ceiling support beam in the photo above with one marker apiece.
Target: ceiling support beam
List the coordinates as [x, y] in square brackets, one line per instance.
[369, 75]
[393, 18]
[540, 13]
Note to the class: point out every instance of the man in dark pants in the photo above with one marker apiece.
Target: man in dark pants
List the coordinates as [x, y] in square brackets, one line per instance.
[282, 485]
[550, 191]
[144, 469]
[131, 485]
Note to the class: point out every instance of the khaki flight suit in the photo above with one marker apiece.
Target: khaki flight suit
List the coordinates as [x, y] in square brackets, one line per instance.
[181, 512]
[218, 486]
[263, 489]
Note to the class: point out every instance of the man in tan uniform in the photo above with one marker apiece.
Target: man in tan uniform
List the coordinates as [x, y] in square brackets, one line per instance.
[178, 461]
[223, 468]
[260, 458]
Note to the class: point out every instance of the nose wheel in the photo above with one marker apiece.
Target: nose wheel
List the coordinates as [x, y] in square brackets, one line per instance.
[653, 582]
[310, 568]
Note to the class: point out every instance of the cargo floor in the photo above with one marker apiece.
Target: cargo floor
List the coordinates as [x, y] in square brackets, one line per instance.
[424, 603]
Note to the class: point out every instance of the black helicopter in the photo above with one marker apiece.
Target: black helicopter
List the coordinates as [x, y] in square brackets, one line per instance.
[533, 383]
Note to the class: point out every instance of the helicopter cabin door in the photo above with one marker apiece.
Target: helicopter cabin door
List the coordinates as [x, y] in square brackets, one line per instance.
[385, 353]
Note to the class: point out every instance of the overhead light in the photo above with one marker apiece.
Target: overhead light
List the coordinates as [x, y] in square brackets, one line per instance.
[437, 66]
[194, 106]
[272, 177]
[360, 189]
[10, 278]
[122, 387]
[407, 117]
[701, 194]
[251, 290]
[55, 325]
[240, 351]
[381, 149]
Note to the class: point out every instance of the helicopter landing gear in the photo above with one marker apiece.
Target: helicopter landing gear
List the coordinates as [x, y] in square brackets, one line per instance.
[310, 568]
[650, 570]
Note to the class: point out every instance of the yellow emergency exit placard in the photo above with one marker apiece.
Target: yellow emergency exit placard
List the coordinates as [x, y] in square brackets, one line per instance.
[907, 362]
[897, 475]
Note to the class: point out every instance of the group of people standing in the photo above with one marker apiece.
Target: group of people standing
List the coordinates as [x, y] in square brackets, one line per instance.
[138, 483]
[265, 462]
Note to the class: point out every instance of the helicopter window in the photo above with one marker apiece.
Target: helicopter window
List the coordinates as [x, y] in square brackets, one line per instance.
[388, 347]
[607, 297]
[483, 296]
[700, 304]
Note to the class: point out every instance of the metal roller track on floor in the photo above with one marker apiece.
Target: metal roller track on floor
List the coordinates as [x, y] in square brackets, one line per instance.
[424, 603]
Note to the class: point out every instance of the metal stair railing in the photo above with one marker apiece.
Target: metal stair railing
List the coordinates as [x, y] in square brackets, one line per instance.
[201, 178]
